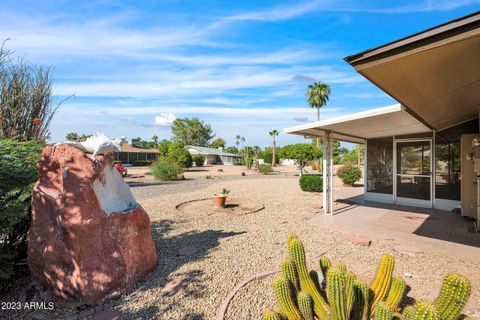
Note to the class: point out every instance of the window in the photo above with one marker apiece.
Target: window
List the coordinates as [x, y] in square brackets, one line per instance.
[380, 165]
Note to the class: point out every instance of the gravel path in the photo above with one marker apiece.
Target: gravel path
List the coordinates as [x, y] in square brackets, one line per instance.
[230, 249]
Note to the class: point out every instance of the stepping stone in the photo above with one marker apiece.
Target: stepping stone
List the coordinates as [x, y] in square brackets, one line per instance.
[173, 287]
[187, 250]
[281, 221]
[254, 227]
[411, 251]
[108, 315]
[359, 240]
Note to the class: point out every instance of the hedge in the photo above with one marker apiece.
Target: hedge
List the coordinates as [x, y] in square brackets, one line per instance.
[265, 168]
[349, 174]
[199, 160]
[139, 163]
[311, 183]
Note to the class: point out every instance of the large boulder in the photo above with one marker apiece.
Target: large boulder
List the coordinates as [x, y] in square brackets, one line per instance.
[88, 236]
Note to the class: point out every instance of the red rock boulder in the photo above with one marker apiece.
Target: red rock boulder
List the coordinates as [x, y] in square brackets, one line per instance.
[88, 236]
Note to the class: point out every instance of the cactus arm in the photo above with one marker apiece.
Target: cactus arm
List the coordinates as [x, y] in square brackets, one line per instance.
[407, 313]
[290, 272]
[316, 281]
[383, 278]
[349, 293]
[453, 296]
[297, 253]
[284, 295]
[361, 301]
[383, 312]
[270, 314]
[396, 294]
[325, 264]
[305, 305]
[336, 294]
[424, 311]
[342, 267]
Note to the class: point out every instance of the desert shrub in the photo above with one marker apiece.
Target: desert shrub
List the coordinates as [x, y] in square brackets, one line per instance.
[18, 173]
[165, 170]
[349, 174]
[237, 163]
[178, 154]
[140, 163]
[311, 183]
[265, 168]
[198, 159]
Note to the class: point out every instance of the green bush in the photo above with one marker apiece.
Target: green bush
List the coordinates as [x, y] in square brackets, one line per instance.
[311, 183]
[141, 163]
[265, 168]
[178, 154]
[18, 174]
[237, 163]
[199, 160]
[349, 174]
[164, 170]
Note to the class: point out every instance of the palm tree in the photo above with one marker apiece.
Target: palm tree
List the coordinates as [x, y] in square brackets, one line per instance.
[317, 96]
[273, 133]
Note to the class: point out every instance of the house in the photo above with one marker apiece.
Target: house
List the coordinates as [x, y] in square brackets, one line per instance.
[215, 156]
[135, 155]
[424, 151]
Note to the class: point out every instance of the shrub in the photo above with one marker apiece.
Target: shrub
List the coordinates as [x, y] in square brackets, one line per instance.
[349, 174]
[18, 173]
[179, 155]
[237, 163]
[311, 183]
[140, 163]
[265, 168]
[164, 170]
[199, 160]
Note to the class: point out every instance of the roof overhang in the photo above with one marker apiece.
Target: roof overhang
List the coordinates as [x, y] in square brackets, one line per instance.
[357, 127]
[434, 73]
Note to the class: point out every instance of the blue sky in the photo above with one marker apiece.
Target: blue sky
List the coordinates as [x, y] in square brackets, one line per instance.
[242, 66]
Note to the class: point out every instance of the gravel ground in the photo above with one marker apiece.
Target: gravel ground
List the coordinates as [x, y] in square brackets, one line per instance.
[230, 249]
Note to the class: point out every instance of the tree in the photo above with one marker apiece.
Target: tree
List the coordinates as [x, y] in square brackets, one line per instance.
[218, 143]
[273, 133]
[163, 147]
[178, 154]
[317, 96]
[72, 136]
[155, 139]
[233, 150]
[26, 105]
[300, 153]
[192, 131]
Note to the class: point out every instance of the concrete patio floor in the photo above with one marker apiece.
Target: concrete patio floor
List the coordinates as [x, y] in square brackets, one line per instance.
[410, 229]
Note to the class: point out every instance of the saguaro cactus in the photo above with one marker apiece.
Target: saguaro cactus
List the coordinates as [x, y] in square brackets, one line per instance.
[284, 295]
[453, 296]
[305, 305]
[336, 294]
[397, 291]
[383, 278]
[297, 253]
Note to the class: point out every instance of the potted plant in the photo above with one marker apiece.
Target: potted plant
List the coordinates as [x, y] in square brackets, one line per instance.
[221, 198]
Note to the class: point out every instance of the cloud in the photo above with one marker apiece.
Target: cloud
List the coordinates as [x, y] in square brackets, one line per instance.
[300, 119]
[303, 78]
[165, 119]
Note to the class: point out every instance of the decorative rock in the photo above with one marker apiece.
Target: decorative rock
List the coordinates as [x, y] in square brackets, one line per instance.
[281, 221]
[220, 170]
[359, 240]
[408, 275]
[108, 315]
[173, 287]
[88, 236]
[187, 250]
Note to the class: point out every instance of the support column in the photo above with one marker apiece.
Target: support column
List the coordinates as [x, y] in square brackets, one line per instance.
[327, 146]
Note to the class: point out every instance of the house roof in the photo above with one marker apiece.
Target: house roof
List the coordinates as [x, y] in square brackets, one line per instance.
[211, 151]
[126, 147]
[356, 127]
[433, 73]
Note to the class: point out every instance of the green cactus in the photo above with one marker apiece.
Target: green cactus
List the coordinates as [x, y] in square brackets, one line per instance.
[383, 312]
[423, 311]
[297, 253]
[383, 279]
[305, 305]
[316, 280]
[325, 264]
[285, 299]
[453, 296]
[336, 294]
[397, 291]
[349, 293]
[270, 314]
[342, 267]
[407, 313]
[361, 301]
[290, 272]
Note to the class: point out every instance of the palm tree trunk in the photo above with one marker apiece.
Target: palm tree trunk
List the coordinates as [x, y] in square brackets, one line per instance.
[273, 153]
[318, 119]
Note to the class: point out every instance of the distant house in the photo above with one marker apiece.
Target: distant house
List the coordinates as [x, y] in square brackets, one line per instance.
[214, 156]
[136, 155]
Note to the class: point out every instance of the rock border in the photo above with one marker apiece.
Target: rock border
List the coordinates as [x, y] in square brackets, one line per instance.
[177, 206]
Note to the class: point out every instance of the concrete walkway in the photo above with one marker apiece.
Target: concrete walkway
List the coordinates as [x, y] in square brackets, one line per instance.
[410, 229]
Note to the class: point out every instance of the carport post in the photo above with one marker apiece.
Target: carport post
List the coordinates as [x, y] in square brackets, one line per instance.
[327, 194]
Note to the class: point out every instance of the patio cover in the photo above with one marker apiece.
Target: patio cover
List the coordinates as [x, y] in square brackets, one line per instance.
[434, 73]
[357, 127]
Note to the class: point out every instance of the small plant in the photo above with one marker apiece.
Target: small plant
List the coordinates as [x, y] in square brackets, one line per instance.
[311, 183]
[224, 192]
[164, 170]
[243, 174]
[349, 174]
[220, 199]
[199, 160]
[300, 296]
[265, 168]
